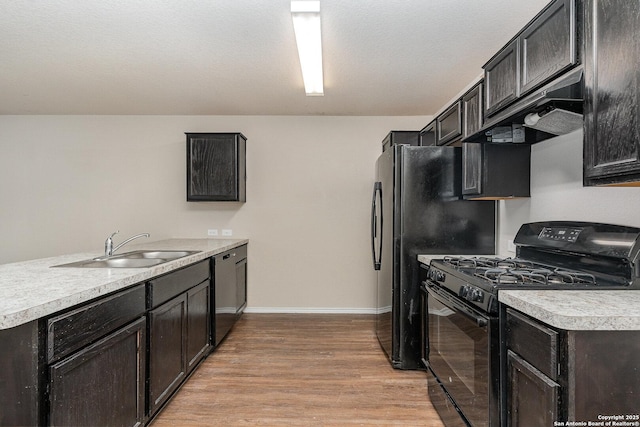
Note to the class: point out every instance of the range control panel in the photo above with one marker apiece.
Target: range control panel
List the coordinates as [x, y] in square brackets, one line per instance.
[563, 234]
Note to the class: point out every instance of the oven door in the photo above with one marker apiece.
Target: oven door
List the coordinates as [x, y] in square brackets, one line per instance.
[463, 355]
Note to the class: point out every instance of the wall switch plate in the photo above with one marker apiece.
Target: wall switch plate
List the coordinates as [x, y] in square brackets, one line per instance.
[511, 247]
[227, 232]
[212, 232]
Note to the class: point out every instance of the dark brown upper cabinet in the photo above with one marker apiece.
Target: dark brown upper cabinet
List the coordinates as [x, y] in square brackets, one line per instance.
[542, 50]
[400, 137]
[495, 171]
[428, 134]
[612, 98]
[449, 124]
[472, 113]
[216, 167]
[501, 79]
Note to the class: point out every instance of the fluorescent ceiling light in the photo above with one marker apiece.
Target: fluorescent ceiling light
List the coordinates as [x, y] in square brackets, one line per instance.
[306, 25]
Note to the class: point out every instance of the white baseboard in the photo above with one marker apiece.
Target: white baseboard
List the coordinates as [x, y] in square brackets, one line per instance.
[309, 310]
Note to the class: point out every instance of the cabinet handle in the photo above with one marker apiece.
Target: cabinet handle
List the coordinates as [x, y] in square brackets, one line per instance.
[227, 256]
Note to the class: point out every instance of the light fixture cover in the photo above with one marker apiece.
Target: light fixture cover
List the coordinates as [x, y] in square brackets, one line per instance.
[306, 25]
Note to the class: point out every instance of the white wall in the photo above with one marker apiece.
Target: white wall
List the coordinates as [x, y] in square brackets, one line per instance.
[66, 182]
[557, 192]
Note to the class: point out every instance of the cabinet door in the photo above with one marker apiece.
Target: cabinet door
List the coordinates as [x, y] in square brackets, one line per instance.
[449, 124]
[216, 167]
[472, 111]
[428, 134]
[102, 384]
[197, 324]
[612, 101]
[167, 350]
[241, 285]
[532, 398]
[548, 45]
[471, 168]
[501, 79]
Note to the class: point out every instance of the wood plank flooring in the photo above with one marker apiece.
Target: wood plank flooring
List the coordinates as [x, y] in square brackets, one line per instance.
[301, 370]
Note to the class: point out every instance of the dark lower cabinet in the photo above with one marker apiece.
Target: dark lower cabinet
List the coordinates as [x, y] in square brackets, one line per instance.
[178, 340]
[115, 360]
[555, 375]
[198, 314]
[612, 99]
[102, 384]
[167, 350]
[533, 397]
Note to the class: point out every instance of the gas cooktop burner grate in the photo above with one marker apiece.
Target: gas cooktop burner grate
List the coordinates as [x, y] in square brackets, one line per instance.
[515, 271]
[534, 276]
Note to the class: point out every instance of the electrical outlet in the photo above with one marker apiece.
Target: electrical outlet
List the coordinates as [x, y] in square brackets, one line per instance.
[212, 232]
[227, 232]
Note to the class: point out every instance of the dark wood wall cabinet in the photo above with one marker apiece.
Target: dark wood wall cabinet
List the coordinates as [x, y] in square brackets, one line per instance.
[495, 171]
[554, 375]
[428, 134]
[216, 167]
[612, 98]
[472, 110]
[543, 49]
[449, 124]
[400, 137]
[116, 360]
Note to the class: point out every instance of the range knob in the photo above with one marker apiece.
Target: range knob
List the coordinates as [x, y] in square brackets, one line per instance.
[477, 295]
[463, 292]
[436, 276]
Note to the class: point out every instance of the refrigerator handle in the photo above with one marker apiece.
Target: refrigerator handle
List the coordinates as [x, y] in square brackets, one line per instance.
[377, 188]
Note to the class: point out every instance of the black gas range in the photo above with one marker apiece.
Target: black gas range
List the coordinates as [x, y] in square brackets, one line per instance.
[460, 296]
[549, 255]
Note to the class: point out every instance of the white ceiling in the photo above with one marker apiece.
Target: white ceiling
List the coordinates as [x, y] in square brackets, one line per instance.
[236, 57]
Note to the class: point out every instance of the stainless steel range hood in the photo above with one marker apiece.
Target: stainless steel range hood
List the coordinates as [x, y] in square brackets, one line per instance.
[554, 109]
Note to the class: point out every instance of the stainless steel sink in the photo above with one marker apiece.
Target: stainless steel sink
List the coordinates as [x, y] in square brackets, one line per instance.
[135, 259]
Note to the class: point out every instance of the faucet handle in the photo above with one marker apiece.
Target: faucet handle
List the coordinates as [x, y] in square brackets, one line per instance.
[108, 244]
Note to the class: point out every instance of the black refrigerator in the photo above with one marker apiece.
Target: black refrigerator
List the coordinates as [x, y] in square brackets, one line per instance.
[417, 209]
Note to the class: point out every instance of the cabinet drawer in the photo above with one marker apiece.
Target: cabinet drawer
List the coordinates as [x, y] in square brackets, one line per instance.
[75, 329]
[534, 342]
[165, 287]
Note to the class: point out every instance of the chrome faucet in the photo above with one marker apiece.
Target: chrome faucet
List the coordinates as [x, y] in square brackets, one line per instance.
[108, 244]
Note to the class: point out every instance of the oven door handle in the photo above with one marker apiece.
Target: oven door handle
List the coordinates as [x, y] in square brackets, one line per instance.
[442, 297]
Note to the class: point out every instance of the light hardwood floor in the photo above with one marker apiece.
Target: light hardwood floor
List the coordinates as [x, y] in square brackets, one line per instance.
[301, 370]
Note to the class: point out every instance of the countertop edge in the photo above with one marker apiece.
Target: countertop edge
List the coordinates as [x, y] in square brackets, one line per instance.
[88, 284]
[597, 310]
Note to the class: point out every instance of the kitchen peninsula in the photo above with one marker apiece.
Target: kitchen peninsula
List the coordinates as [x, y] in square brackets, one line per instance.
[139, 331]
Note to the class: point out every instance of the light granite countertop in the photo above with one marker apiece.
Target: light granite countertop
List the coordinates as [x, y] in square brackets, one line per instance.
[30, 290]
[578, 310]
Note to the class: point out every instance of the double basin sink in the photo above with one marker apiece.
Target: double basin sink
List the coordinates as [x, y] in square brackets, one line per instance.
[135, 259]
